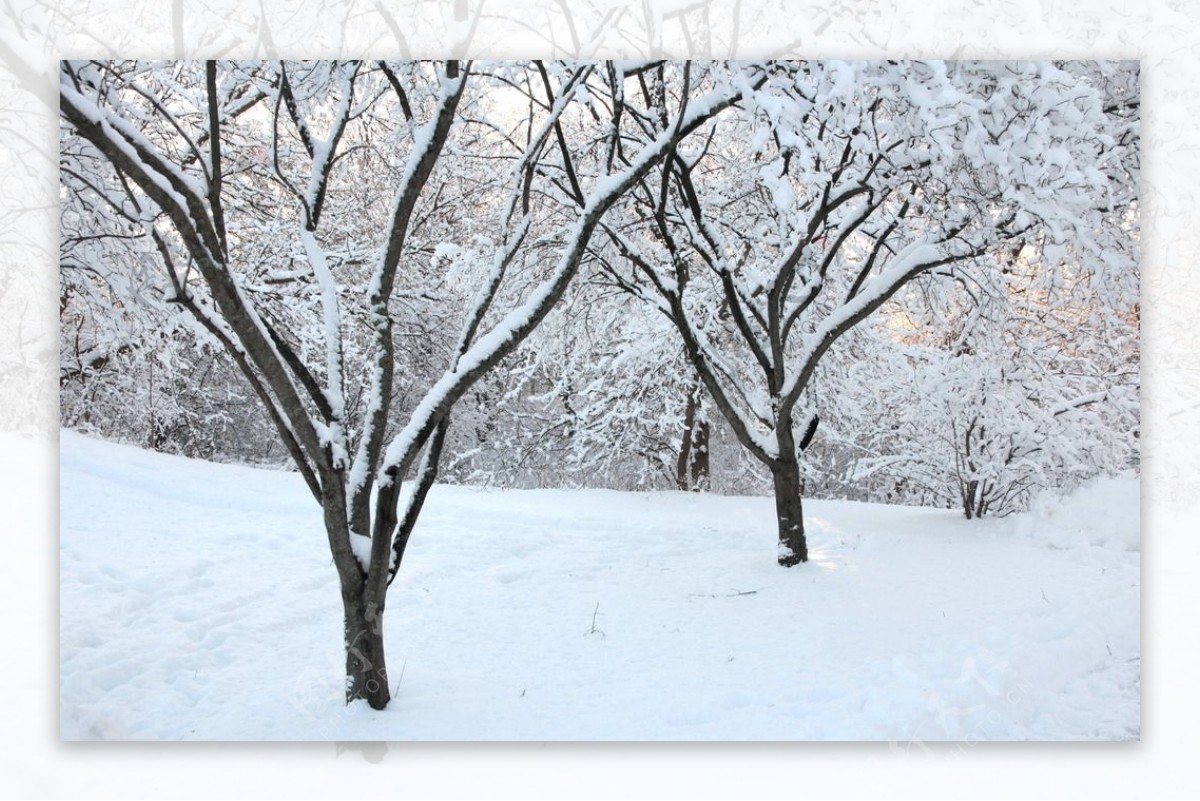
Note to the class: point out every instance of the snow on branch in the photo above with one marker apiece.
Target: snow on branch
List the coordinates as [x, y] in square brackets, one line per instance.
[503, 338]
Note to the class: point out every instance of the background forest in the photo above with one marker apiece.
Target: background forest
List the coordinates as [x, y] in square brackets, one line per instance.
[1011, 369]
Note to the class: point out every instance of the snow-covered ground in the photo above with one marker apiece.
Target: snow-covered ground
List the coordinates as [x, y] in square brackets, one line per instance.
[198, 602]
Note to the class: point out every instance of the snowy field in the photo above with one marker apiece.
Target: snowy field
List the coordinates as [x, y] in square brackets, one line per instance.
[198, 602]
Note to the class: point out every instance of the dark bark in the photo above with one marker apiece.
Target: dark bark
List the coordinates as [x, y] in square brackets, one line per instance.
[425, 478]
[700, 462]
[685, 446]
[789, 511]
[366, 671]
[975, 497]
[809, 432]
[692, 466]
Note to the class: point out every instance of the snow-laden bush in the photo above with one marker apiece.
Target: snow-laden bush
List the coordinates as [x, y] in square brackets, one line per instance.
[1104, 512]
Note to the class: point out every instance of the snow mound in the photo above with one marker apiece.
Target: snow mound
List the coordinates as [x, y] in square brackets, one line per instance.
[1102, 513]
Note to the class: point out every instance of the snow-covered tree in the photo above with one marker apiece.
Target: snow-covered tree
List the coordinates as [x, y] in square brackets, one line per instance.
[836, 186]
[130, 367]
[600, 396]
[986, 398]
[292, 208]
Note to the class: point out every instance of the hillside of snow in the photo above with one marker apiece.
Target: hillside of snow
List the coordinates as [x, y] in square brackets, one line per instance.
[198, 602]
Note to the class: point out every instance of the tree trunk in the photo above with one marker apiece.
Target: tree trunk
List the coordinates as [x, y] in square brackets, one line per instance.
[975, 497]
[685, 447]
[966, 489]
[793, 548]
[700, 462]
[366, 672]
[691, 468]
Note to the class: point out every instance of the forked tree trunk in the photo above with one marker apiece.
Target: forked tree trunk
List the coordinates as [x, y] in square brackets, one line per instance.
[366, 671]
[789, 512]
[975, 498]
